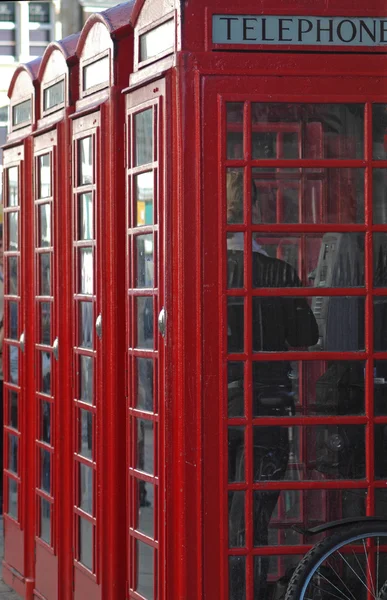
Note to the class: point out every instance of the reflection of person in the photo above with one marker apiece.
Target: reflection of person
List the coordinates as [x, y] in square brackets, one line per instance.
[277, 324]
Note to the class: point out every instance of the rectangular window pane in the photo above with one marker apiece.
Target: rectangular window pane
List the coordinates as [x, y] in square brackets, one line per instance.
[46, 422]
[40, 35]
[86, 271]
[45, 274]
[45, 323]
[86, 379]
[13, 275]
[143, 142]
[145, 446]
[45, 472]
[380, 323]
[86, 488]
[13, 186]
[236, 519]
[144, 322]
[96, 73]
[145, 261]
[235, 260]
[145, 508]
[86, 324]
[55, 94]
[235, 389]
[380, 433]
[44, 176]
[85, 433]
[13, 364]
[7, 12]
[44, 225]
[13, 409]
[236, 454]
[237, 577]
[380, 387]
[39, 12]
[13, 320]
[86, 229]
[12, 498]
[85, 161]
[86, 543]
[235, 324]
[145, 374]
[235, 195]
[13, 449]
[379, 125]
[21, 113]
[158, 40]
[13, 231]
[45, 386]
[45, 520]
[234, 118]
[144, 191]
[145, 570]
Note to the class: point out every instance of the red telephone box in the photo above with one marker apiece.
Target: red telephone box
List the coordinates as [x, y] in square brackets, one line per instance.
[202, 285]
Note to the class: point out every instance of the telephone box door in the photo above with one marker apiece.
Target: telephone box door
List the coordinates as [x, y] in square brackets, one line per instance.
[295, 234]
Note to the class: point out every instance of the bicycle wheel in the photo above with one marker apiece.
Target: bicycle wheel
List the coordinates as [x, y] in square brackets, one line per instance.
[350, 564]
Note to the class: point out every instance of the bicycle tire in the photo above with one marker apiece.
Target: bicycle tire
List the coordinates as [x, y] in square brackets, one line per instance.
[303, 586]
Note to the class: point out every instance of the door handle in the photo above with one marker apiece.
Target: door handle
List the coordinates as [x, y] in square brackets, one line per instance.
[22, 341]
[55, 349]
[162, 321]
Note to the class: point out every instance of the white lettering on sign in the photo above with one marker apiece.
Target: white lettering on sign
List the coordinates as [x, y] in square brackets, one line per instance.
[299, 31]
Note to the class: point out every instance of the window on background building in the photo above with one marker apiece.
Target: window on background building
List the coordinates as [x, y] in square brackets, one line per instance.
[26, 28]
[40, 26]
[3, 138]
[7, 29]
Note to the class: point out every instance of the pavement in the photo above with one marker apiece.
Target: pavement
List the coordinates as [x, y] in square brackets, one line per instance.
[5, 591]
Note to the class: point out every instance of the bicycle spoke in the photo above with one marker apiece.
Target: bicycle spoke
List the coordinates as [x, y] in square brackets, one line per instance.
[356, 575]
[342, 596]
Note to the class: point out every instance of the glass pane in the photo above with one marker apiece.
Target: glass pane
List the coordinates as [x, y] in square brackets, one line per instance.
[234, 118]
[146, 508]
[379, 132]
[86, 270]
[380, 323]
[144, 322]
[143, 186]
[273, 568]
[86, 543]
[86, 379]
[13, 231]
[236, 454]
[13, 364]
[380, 387]
[44, 176]
[237, 577]
[13, 186]
[318, 195]
[145, 261]
[291, 131]
[96, 73]
[45, 274]
[44, 225]
[86, 488]
[235, 260]
[318, 323]
[85, 433]
[45, 323]
[39, 12]
[236, 520]
[13, 409]
[300, 453]
[235, 393]
[145, 570]
[13, 320]
[13, 449]
[235, 323]
[46, 373]
[13, 275]
[380, 433]
[145, 384]
[145, 446]
[313, 260]
[235, 195]
[45, 465]
[86, 324]
[45, 521]
[380, 259]
[85, 160]
[12, 498]
[46, 422]
[86, 229]
[143, 142]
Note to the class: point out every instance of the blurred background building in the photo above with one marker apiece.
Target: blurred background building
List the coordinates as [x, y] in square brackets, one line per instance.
[26, 27]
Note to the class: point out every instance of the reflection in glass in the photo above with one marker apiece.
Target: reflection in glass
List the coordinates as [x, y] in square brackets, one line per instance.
[235, 324]
[44, 225]
[13, 186]
[145, 373]
[237, 577]
[13, 408]
[235, 260]
[86, 378]
[86, 488]
[86, 270]
[235, 393]
[45, 466]
[379, 196]
[13, 364]
[145, 446]
[13, 231]
[145, 508]
[145, 261]
[12, 498]
[46, 422]
[86, 229]
[379, 126]
[236, 454]
[85, 433]
[45, 274]
[144, 306]
[236, 519]
[380, 387]
[13, 453]
[86, 324]
[143, 141]
[380, 259]
[13, 320]
[44, 176]
[45, 323]
[380, 323]
[86, 543]
[45, 520]
[145, 570]
[281, 131]
[234, 116]
[13, 275]
[85, 161]
[308, 195]
[46, 373]
[144, 185]
[234, 195]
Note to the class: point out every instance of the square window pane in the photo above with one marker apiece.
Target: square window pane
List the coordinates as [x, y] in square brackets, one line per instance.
[143, 142]
[144, 191]
[86, 228]
[86, 271]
